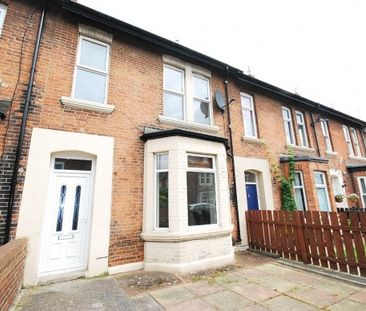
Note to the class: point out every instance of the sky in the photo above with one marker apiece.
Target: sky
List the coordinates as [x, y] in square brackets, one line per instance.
[315, 48]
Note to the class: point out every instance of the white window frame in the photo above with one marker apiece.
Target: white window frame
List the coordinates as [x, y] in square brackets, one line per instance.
[362, 194]
[325, 130]
[3, 11]
[97, 71]
[288, 121]
[347, 138]
[302, 125]
[322, 186]
[252, 110]
[189, 71]
[356, 144]
[302, 188]
[205, 181]
[203, 170]
[156, 204]
[183, 94]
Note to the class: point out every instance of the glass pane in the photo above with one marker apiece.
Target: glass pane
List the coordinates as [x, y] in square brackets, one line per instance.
[285, 114]
[200, 162]
[250, 177]
[322, 199]
[93, 55]
[299, 118]
[90, 86]
[201, 112]
[363, 185]
[61, 207]
[246, 102]
[297, 181]
[162, 162]
[173, 106]
[200, 88]
[201, 200]
[75, 216]
[288, 130]
[319, 178]
[173, 80]
[249, 123]
[163, 200]
[300, 199]
[303, 139]
[72, 164]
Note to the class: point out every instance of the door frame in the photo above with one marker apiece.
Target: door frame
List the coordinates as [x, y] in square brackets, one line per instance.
[257, 187]
[48, 211]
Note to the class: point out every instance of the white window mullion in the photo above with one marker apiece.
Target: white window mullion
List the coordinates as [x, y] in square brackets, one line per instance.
[189, 113]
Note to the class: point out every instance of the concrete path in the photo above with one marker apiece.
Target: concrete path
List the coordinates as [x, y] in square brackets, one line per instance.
[266, 287]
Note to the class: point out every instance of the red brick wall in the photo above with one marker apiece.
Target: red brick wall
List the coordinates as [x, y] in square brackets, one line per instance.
[12, 257]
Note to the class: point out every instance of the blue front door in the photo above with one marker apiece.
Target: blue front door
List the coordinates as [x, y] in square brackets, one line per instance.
[252, 197]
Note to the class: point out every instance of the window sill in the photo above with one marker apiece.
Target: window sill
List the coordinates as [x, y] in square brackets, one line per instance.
[188, 124]
[300, 148]
[357, 158]
[87, 105]
[253, 140]
[331, 154]
[188, 236]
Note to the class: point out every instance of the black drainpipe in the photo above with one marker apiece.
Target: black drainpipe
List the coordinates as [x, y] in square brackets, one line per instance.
[228, 102]
[315, 135]
[23, 128]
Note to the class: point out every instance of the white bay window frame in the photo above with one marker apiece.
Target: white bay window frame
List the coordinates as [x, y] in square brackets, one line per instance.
[189, 71]
[156, 186]
[104, 73]
[301, 188]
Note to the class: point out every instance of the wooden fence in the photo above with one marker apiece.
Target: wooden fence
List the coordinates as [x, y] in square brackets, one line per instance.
[331, 240]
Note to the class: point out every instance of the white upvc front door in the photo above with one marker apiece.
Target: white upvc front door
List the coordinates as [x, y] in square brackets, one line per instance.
[67, 224]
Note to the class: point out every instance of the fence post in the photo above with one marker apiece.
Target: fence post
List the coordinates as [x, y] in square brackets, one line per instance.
[301, 236]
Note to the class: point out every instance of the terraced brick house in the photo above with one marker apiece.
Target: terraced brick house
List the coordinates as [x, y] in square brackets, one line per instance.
[121, 150]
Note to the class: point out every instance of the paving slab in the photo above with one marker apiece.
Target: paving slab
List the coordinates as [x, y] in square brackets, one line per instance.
[203, 288]
[277, 283]
[316, 297]
[254, 308]
[273, 269]
[255, 292]
[145, 302]
[251, 275]
[300, 277]
[227, 300]
[336, 288]
[359, 296]
[90, 294]
[172, 295]
[230, 280]
[192, 305]
[347, 305]
[281, 303]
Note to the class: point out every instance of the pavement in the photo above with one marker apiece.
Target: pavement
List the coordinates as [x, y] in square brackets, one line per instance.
[267, 286]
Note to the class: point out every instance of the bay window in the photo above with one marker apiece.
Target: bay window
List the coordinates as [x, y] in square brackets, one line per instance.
[322, 191]
[91, 71]
[362, 187]
[162, 191]
[299, 189]
[201, 190]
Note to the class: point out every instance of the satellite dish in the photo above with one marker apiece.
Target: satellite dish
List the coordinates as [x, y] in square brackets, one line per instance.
[220, 100]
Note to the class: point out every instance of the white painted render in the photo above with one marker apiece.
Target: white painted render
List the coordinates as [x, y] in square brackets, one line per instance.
[265, 195]
[44, 144]
[182, 248]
